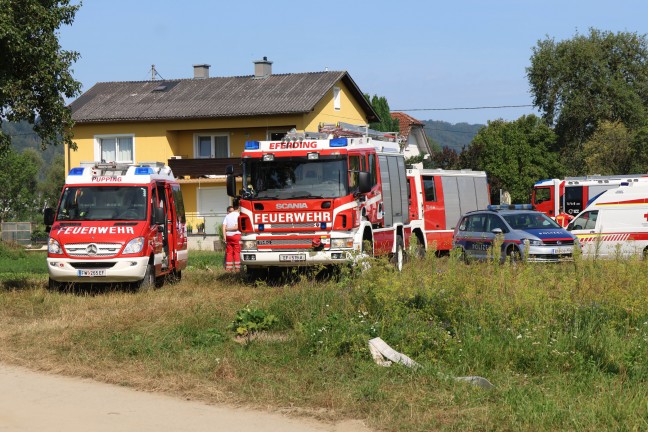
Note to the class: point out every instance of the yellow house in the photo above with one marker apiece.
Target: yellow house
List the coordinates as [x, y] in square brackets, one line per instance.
[199, 126]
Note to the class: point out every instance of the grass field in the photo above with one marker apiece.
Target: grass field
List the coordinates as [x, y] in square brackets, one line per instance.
[564, 345]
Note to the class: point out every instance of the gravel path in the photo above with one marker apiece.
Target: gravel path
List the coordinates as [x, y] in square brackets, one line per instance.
[41, 402]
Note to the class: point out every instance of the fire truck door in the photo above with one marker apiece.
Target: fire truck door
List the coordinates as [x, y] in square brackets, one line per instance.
[433, 213]
[164, 204]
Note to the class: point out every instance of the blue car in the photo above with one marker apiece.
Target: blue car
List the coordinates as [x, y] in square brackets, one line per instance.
[525, 234]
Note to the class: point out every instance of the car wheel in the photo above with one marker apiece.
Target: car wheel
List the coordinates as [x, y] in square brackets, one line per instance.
[513, 255]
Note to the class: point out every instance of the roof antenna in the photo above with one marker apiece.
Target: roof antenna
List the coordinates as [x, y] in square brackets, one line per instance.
[154, 73]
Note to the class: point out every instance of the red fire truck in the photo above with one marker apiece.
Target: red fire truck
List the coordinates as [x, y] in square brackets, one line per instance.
[438, 199]
[117, 223]
[322, 198]
[574, 193]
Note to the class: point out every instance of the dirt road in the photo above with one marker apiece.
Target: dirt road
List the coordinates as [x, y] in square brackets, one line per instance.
[31, 401]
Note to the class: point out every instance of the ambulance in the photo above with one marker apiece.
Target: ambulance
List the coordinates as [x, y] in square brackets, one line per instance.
[615, 224]
[117, 223]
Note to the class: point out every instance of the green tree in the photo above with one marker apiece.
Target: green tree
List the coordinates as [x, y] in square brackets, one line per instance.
[447, 158]
[50, 187]
[609, 150]
[515, 155]
[579, 83]
[381, 106]
[639, 150]
[18, 184]
[34, 70]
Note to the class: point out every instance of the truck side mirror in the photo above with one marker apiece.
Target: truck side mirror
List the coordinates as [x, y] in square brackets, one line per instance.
[364, 182]
[48, 216]
[158, 216]
[231, 185]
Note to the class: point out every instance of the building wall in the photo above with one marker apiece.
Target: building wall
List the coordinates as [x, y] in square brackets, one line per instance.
[159, 141]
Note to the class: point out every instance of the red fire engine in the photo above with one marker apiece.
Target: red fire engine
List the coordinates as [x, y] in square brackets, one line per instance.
[438, 199]
[574, 193]
[322, 198]
[117, 223]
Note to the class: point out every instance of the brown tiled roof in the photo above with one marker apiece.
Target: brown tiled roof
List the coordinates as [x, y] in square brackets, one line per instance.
[210, 97]
[405, 123]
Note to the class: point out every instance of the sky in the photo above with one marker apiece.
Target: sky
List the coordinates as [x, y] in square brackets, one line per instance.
[433, 60]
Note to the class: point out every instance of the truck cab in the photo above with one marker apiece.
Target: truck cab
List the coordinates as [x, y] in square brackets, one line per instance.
[117, 223]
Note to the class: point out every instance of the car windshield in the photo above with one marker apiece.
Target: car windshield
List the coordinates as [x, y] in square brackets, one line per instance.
[103, 203]
[529, 220]
[295, 177]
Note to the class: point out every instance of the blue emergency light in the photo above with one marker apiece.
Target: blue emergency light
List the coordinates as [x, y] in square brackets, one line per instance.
[252, 145]
[76, 171]
[261, 227]
[144, 171]
[338, 142]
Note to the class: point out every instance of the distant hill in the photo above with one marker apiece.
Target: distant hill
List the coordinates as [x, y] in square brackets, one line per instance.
[23, 137]
[455, 136]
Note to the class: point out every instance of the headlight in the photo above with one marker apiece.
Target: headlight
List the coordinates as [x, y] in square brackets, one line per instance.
[134, 246]
[346, 242]
[534, 242]
[54, 247]
[249, 244]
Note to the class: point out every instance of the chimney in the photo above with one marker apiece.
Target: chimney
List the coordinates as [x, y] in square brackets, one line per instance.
[201, 71]
[262, 68]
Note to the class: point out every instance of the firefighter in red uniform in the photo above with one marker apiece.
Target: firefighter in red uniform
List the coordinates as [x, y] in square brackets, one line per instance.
[232, 240]
[563, 218]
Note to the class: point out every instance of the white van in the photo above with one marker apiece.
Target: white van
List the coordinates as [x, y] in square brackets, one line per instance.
[615, 223]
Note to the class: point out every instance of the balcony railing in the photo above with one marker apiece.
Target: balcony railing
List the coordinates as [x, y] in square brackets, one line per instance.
[195, 168]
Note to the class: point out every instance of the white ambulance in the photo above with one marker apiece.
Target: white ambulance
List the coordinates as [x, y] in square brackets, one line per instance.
[117, 223]
[615, 224]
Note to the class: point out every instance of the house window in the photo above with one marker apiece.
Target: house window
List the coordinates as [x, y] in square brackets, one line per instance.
[276, 135]
[336, 98]
[212, 146]
[114, 149]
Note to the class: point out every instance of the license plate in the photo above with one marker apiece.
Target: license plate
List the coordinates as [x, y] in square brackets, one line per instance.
[91, 273]
[562, 251]
[292, 257]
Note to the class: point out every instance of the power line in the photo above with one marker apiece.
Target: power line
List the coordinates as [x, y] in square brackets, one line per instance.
[464, 108]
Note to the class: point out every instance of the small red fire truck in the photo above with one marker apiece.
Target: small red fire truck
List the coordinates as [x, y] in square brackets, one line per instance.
[438, 199]
[574, 193]
[322, 198]
[117, 223]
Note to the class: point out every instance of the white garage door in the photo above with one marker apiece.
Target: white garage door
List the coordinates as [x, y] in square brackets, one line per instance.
[212, 206]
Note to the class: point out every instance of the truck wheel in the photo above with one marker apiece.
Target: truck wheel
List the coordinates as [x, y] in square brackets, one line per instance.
[148, 281]
[399, 255]
[418, 248]
[252, 274]
[174, 277]
[363, 260]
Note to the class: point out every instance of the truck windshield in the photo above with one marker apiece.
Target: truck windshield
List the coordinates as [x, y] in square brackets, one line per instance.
[103, 203]
[295, 177]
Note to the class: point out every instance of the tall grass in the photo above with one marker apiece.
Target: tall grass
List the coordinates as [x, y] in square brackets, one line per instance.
[565, 345]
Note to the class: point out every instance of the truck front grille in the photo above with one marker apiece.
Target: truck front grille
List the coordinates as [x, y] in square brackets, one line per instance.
[92, 249]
